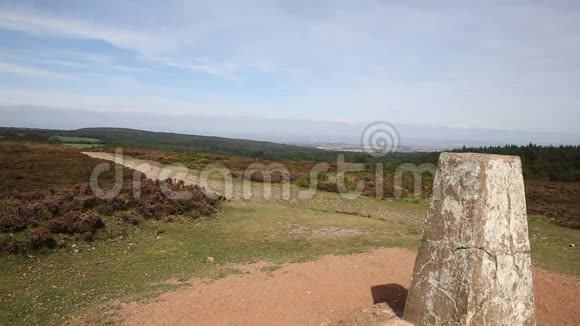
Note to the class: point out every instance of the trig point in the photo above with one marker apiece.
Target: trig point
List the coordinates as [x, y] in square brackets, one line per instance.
[473, 265]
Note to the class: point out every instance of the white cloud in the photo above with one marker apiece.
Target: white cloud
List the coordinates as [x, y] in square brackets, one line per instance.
[75, 59]
[225, 70]
[109, 103]
[10, 68]
[47, 25]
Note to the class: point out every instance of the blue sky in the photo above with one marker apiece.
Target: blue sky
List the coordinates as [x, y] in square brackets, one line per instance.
[465, 64]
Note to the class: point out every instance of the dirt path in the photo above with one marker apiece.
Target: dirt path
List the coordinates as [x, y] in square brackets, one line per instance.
[323, 292]
[213, 184]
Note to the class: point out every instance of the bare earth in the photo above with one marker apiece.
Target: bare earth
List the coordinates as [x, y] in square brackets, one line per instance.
[324, 292]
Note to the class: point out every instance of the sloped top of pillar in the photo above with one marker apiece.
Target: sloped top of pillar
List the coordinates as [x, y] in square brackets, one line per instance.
[478, 157]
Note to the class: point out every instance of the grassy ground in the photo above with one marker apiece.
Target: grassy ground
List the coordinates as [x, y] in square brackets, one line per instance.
[555, 247]
[57, 285]
[83, 145]
[80, 142]
[52, 287]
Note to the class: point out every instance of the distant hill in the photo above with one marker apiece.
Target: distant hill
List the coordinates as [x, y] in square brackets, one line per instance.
[196, 143]
[177, 142]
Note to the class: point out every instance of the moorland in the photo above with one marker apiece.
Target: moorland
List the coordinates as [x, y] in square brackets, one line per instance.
[66, 252]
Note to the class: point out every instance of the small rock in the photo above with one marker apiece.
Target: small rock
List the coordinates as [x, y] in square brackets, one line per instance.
[210, 260]
[76, 251]
[572, 245]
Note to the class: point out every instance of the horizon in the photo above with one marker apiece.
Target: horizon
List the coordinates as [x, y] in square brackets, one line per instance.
[310, 133]
[455, 70]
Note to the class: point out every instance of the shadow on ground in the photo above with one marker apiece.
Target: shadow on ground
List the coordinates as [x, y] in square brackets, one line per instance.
[393, 295]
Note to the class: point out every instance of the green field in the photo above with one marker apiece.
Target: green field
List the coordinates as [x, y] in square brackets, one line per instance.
[555, 247]
[79, 140]
[137, 266]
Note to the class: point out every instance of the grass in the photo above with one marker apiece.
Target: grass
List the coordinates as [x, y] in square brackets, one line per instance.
[405, 211]
[551, 246]
[83, 145]
[78, 140]
[136, 267]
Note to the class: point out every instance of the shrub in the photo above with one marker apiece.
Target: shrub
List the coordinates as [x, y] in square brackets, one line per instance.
[129, 217]
[76, 210]
[40, 237]
[9, 245]
[275, 177]
[154, 203]
[59, 225]
[31, 195]
[303, 182]
[328, 186]
[18, 215]
[88, 222]
[11, 220]
[53, 204]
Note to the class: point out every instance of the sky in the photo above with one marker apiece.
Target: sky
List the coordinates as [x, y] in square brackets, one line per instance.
[511, 65]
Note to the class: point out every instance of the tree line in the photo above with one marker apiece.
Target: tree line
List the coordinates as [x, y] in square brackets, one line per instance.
[550, 163]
